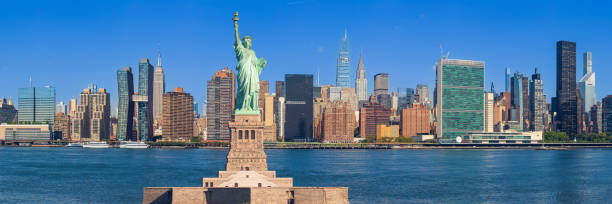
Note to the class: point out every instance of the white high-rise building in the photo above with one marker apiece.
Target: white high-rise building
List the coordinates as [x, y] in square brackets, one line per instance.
[361, 83]
[488, 111]
[159, 88]
[60, 108]
[587, 83]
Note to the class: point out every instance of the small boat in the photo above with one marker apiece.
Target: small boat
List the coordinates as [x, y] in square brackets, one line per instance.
[77, 145]
[96, 145]
[133, 145]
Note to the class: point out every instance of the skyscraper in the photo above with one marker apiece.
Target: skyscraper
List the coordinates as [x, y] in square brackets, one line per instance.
[508, 76]
[280, 92]
[159, 88]
[220, 97]
[422, 91]
[338, 122]
[381, 89]
[125, 113]
[36, 105]
[60, 107]
[488, 111]
[587, 83]
[606, 114]
[537, 102]
[145, 108]
[520, 100]
[460, 98]
[370, 116]
[91, 122]
[361, 83]
[178, 116]
[298, 105]
[264, 87]
[343, 75]
[415, 120]
[567, 101]
[406, 98]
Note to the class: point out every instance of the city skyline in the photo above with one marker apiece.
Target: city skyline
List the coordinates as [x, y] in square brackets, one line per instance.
[197, 48]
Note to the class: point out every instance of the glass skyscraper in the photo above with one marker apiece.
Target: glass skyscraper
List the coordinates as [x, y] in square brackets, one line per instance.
[587, 83]
[299, 109]
[36, 105]
[125, 114]
[343, 75]
[567, 98]
[460, 98]
[145, 108]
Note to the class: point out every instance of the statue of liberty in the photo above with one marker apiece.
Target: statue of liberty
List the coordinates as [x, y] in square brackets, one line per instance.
[249, 67]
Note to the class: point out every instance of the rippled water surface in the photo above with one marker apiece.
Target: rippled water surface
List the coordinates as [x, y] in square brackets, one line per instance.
[63, 175]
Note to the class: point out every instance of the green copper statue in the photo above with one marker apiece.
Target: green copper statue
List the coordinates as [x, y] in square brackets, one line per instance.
[249, 67]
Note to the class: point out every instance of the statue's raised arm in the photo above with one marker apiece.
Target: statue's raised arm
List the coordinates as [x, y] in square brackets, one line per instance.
[238, 43]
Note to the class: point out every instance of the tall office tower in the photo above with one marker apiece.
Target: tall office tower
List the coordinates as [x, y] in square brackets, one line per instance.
[394, 103]
[415, 120]
[334, 93]
[72, 106]
[177, 119]
[36, 105]
[8, 112]
[348, 95]
[381, 89]
[406, 98]
[587, 83]
[567, 98]
[520, 100]
[338, 122]
[537, 102]
[220, 97]
[263, 89]
[280, 119]
[61, 129]
[91, 122]
[318, 106]
[298, 105]
[268, 118]
[361, 82]
[370, 116]
[500, 112]
[606, 114]
[488, 111]
[145, 108]
[159, 88]
[508, 76]
[125, 113]
[343, 75]
[279, 92]
[422, 91]
[60, 108]
[595, 118]
[460, 98]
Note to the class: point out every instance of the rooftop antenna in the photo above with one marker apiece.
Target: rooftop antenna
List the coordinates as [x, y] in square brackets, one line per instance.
[159, 62]
[30, 81]
[318, 77]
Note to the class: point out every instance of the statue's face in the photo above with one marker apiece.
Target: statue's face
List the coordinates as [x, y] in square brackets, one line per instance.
[247, 42]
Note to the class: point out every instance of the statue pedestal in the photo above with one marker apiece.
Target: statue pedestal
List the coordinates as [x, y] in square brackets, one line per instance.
[246, 152]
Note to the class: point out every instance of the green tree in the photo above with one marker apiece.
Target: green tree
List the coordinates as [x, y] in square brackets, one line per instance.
[196, 139]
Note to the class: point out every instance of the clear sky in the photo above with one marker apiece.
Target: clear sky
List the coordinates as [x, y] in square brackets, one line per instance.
[69, 44]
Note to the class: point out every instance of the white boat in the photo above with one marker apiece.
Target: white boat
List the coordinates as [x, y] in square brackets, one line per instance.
[96, 145]
[133, 145]
[78, 145]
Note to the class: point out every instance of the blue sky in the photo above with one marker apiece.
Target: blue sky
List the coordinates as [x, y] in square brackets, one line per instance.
[69, 44]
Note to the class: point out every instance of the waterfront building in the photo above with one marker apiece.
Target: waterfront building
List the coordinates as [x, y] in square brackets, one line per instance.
[387, 131]
[25, 132]
[567, 97]
[159, 88]
[91, 121]
[145, 102]
[537, 103]
[125, 110]
[606, 114]
[280, 119]
[220, 97]
[202, 128]
[370, 116]
[361, 82]
[263, 89]
[268, 118]
[178, 116]
[72, 106]
[298, 107]
[460, 98]
[61, 127]
[60, 108]
[8, 113]
[279, 92]
[36, 105]
[415, 120]
[422, 91]
[113, 128]
[488, 112]
[504, 137]
[587, 83]
[338, 122]
[343, 66]
[381, 89]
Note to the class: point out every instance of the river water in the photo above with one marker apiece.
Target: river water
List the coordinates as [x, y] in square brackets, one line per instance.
[64, 175]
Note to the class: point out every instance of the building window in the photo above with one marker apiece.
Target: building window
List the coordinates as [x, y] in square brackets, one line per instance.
[246, 134]
[235, 184]
[258, 184]
[252, 134]
[247, 168]
[239, 134]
